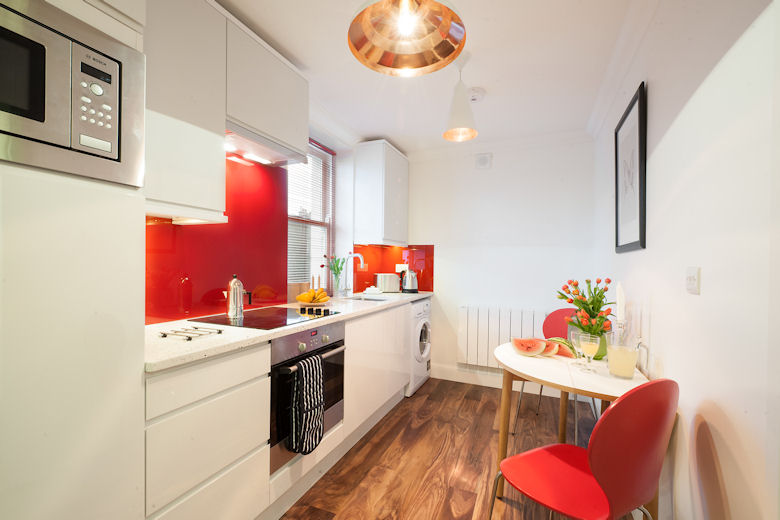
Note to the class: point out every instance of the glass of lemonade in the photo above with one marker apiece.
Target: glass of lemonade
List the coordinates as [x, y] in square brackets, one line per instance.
[590, 346]
[622, 354]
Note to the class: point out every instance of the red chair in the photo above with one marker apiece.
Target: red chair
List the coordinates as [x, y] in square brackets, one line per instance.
[616, 474]
[554, 326]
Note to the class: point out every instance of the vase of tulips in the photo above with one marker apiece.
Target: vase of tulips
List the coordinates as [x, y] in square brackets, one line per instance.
[592, 316]
[335, 265]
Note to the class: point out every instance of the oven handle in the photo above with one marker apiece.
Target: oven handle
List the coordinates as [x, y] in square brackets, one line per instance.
[294, 368]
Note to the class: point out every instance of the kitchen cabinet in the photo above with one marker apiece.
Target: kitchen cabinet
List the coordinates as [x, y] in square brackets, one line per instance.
[376, 364]
[123, 20]
[185, 116]
[266, 95]
[207, 432]
[381, 194]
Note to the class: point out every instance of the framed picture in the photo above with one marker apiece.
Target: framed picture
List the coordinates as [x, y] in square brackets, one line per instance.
[630, 156]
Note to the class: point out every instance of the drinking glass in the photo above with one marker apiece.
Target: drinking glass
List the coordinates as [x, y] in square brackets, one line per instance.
[590, 346]
[574, 339]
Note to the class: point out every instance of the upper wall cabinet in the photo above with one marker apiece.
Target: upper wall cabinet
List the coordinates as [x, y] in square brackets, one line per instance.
[381, 194]
[185, 44]
[267, 99]
[123, 20]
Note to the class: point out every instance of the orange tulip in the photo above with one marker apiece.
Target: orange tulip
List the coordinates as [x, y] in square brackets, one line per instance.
[585, 321]
[569, 301]
[569, 282]
[608, 311]
[568, 319]
[598, 280]
[575, 292]
[575, 283]
[607, 280]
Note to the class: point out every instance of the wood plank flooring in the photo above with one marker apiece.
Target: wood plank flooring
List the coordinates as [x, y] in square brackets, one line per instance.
[433, 456]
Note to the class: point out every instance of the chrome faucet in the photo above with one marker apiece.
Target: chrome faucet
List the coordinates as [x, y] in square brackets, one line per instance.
[362, 264]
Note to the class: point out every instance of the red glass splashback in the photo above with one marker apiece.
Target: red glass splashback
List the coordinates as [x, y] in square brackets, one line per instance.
[382, 259]
[189, 267]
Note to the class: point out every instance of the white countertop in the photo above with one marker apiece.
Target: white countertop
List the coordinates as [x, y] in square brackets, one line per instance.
[172, 351]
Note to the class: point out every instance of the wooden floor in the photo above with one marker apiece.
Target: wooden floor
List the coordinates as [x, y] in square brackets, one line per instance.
[433, 457]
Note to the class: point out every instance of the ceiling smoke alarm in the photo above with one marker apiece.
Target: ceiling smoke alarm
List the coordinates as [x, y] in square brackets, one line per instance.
[476, 94]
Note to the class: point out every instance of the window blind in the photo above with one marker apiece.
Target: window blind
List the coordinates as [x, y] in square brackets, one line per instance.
[310, 198]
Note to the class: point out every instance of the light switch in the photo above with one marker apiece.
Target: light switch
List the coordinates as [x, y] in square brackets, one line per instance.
[693, 280]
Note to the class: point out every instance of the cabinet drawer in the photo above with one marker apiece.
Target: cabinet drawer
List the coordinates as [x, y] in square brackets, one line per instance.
[171, 390]
[188, 447]
[241, 493]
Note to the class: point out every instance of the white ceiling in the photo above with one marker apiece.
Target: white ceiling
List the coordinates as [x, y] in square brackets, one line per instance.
[541, 62]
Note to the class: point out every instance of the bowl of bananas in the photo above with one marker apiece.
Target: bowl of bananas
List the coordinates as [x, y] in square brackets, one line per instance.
[314, 297]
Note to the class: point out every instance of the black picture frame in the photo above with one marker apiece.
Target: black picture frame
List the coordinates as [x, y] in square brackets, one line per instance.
[630, 178]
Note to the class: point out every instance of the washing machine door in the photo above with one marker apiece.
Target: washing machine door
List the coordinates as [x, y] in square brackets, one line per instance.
[422, 342]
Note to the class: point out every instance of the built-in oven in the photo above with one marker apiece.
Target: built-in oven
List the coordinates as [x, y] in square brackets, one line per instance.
[71, 99]
[328, 342]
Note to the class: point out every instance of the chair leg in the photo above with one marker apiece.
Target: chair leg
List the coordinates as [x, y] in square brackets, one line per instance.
[539, 403]
[495, 490]
[645, 512]
[594, 408]
[519, 402]
[576, 420]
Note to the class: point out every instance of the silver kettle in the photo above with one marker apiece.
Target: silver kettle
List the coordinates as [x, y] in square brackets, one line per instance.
[235, 299]
[409, 281]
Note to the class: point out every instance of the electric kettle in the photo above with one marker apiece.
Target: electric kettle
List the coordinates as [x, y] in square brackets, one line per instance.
[409, 281]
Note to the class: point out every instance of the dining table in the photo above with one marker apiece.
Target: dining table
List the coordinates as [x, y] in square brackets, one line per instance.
[562, 374]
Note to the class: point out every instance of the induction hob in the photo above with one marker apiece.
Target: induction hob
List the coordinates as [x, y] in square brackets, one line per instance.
[267, 318]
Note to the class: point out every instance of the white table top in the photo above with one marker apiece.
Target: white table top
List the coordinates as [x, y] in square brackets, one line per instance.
[558, 372]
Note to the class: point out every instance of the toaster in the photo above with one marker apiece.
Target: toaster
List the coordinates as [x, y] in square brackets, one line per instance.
[387, 282]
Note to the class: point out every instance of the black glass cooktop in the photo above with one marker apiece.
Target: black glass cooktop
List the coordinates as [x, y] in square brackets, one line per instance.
[268, 318]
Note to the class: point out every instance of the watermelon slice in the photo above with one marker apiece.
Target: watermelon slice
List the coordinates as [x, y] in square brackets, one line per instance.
[529, 346]
[550, 348]
[565, 348]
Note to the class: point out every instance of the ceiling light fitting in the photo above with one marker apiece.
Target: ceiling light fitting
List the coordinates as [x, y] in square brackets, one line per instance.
[406, 37]
[461, 126]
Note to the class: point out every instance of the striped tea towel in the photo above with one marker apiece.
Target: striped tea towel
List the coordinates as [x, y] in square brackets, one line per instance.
[307, 406]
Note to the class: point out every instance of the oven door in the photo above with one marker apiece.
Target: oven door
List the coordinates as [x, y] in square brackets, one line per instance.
[35, 81]
[281, 391]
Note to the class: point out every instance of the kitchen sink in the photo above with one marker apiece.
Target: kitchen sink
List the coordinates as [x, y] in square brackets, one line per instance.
[368, 297]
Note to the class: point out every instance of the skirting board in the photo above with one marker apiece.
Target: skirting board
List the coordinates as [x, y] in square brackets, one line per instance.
[491, 377]
[292, 495]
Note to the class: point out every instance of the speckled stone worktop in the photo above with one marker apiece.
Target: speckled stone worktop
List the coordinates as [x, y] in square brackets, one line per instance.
[164, 353]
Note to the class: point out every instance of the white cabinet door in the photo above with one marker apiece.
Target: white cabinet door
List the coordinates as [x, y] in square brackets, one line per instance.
[185, 44]
[381, 194]
[121, 26]
[396, 215]
[374, 365]
[264, 94]
[133, 9]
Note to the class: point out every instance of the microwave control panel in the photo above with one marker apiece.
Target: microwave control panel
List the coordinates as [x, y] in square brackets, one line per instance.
[95, 103]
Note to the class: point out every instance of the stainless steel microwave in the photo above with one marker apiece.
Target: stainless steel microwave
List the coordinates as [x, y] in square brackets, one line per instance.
[71, 98]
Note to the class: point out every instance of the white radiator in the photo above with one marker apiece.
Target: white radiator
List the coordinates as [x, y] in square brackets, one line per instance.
[481, 328]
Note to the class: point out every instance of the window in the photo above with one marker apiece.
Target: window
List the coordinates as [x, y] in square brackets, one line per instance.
[310, 227]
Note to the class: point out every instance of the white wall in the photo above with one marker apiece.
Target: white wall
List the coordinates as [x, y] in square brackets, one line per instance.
[712, 163]
[509, 235]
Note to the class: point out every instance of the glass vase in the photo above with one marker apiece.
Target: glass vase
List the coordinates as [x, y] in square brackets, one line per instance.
[602, 352]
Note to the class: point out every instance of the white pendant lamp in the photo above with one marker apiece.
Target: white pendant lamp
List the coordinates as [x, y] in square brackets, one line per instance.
[461, 126]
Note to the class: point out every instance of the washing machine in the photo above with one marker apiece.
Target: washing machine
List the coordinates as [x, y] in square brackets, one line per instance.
[420, 346]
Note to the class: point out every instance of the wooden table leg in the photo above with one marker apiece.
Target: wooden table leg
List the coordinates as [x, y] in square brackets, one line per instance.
[503, 425]
[604, 406]
[562, 417]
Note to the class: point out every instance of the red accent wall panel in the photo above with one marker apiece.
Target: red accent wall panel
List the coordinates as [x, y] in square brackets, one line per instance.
[382, 259]
[189, 267]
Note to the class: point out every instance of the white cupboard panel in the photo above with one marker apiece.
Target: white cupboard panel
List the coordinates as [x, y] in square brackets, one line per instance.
[381, 194]
[186, 448]
[264, 94]
[176, 175]
[241, 493]
[171, 390]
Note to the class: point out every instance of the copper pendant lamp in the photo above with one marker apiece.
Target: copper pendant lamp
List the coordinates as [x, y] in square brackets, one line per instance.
[406, 37]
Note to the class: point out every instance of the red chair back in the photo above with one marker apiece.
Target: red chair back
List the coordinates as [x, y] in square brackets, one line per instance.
[555, 325]
[627, 446]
